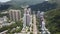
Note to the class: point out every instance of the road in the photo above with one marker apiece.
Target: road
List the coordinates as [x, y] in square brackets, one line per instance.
[34, 25]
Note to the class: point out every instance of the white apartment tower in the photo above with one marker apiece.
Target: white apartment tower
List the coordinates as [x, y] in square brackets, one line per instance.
[14, 15]
[27, 17]
[38, 14]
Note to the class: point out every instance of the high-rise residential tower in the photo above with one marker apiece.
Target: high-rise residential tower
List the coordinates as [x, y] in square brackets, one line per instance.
[26, 17]
[38, 14]
[14, 15]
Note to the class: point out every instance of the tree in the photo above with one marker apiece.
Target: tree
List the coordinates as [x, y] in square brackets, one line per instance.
[53, 21]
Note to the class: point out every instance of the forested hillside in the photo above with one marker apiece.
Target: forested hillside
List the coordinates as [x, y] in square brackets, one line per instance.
[55, 1]
[53, 21]
[44, 6]
[39, 5]
[4, 6]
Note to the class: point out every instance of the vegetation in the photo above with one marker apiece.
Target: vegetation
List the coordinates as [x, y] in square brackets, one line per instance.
[4, 6]
[31, 33]
[56, 1]
[16, 4]
[53, 21]
[44, 6]
[20, 25]
[38, 24]
[9, 28]
[1, 15]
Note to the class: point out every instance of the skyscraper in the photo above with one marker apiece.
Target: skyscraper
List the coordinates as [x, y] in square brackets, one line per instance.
[38, 14]
[14, 15]
[26, 17]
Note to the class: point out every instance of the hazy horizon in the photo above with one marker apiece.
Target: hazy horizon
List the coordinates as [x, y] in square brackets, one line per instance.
[23, 0]
[4, 0]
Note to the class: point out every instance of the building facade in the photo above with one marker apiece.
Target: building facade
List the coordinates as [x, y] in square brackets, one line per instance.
[26, 17]
[14, 15]
[3, 20]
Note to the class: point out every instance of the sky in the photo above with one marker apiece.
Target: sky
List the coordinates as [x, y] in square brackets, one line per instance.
[22, 0]
[4, 0]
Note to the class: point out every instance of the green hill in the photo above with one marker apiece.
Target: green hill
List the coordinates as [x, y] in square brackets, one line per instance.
[19, 3]
[53, 21]
[55, 1]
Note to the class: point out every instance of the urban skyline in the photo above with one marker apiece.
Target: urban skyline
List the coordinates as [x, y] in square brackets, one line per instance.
[29, 17]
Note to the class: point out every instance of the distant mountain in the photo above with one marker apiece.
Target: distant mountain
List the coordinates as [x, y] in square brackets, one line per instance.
[41, 5]
[55, 1]
[4, 6]
[19, 3]
[29, 2]
[44, 6]
[16, 4]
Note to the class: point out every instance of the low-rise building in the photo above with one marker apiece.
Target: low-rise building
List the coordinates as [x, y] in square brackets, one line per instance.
[3, 20]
